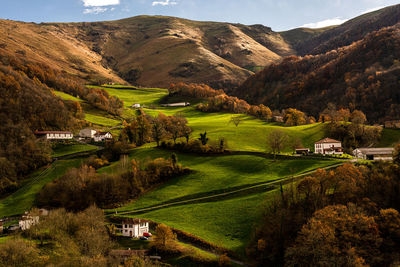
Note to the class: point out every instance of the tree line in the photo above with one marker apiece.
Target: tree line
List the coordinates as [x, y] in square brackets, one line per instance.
[344, 217]
[144, 128]
[219, 101]
[81, 187]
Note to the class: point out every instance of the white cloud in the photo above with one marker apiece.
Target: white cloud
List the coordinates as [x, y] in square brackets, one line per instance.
[164, 3]
[325, 23]
[97, 3]
[95, 10]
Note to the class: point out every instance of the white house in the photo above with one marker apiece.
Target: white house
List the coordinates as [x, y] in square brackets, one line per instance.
[87, 133]
[135, 106]
[135, 227]
[27, 221]
[175, 105]
[384, 154]
[328, 146]
[54, 135]
[102, 136]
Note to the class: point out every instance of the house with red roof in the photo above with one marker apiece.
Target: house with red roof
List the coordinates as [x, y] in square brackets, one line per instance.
[328, 146]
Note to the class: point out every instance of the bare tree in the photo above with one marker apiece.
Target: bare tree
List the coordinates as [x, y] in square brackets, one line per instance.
[236, 120]
[276, 141]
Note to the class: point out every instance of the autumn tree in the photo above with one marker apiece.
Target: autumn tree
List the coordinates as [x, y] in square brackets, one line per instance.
[235, 120]
[276, 141]
[159, 128]
[164, 236]
[336, 236]
[294, 117]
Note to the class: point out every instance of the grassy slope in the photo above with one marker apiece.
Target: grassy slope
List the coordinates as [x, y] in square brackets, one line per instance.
[213, 174]
[67, 96]
[217, 173]
[389, 138]
[23, 199]
[72, 149]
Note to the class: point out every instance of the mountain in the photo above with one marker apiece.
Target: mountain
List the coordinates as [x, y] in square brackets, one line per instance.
[156, 50]
[364, 75]
[148, 50]
[344, 34]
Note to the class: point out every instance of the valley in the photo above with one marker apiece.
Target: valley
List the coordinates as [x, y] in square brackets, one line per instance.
[163, 141]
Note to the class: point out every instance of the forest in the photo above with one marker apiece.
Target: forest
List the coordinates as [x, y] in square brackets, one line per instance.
[345, 217]
[28, 104]
[363, 76]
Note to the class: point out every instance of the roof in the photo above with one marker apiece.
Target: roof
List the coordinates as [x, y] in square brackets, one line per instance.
[51, 132]
[327, 141]
[375, 150]
[133, 221]
[101, 133]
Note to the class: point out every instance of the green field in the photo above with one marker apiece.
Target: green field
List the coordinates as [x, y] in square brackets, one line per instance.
[71, 149]
[67, 96]
[145, 96]
[389, 138]
[23, 199]
[211, 176]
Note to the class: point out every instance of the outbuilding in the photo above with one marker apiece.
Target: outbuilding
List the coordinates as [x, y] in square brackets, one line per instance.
[383, 154]
[87, 133]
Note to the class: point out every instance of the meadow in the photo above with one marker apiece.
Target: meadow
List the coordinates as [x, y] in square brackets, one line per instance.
[229, 221]
[65, 150]
[23, 199]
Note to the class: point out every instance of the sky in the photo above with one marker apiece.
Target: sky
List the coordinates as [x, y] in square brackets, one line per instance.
[278, 14]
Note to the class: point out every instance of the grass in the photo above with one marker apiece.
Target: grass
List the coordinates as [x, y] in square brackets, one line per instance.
[100, 120]
[72, 149]
[226, 222]
[218, 173]
[143, 96]
[3, 239]
[23, 199]
[389, 138]
[217, 125]
[67, 96]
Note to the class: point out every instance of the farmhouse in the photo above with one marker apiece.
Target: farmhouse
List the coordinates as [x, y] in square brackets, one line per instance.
[277, 118]
[87, 133]
[384, 154]
[328, 146]
[135, 106]
[392, 124]
[27, 221]
[54, 135]
[135, 227]
[174, 105]
[102, 136]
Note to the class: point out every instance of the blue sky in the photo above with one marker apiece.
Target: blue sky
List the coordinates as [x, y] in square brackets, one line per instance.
[278, 14]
